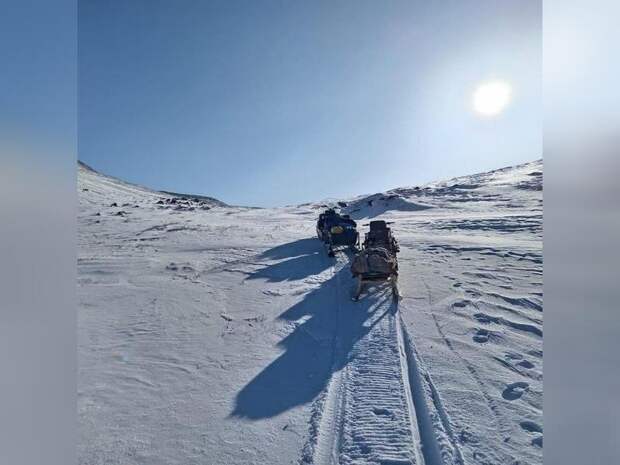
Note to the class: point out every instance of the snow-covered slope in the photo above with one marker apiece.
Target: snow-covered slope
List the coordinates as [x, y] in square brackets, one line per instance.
[225, 335]
[499, 188]
[102, 187]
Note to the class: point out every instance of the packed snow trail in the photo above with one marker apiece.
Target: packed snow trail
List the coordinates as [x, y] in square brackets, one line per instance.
[367, 414]
[379, 425]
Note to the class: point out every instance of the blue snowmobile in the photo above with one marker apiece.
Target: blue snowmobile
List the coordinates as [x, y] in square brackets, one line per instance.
[336, 230]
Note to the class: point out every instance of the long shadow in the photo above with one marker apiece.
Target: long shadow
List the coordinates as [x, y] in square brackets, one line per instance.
[305, 258]
[305, 246]
[300, 374]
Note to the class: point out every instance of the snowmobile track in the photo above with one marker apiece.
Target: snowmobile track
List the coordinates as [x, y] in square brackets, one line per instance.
[367, 413]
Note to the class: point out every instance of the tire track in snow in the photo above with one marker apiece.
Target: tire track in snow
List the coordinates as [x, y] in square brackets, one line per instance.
[368, 413]
[440, 445]
[379, 425]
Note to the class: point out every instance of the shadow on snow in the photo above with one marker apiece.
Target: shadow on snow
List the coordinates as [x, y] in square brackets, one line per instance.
[306, 246]
[300, 374]
[303, 259]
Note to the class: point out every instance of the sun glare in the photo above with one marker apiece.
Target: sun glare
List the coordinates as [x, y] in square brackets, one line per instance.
[490, 98]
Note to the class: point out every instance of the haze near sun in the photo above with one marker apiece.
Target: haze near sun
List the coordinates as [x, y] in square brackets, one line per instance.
[491, 98]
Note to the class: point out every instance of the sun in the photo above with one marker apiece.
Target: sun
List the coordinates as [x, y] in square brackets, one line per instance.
[491, 98]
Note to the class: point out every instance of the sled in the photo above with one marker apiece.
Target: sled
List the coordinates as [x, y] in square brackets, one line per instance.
[375, 264]
[371, 278]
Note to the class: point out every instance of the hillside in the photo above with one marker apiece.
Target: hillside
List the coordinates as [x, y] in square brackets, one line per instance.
[225, 335]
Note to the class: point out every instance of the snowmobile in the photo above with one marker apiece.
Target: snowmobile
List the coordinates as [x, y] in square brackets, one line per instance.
[377, 261]
[336, 230]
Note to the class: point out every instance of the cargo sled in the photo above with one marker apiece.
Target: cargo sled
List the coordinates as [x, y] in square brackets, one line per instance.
[377, 261]
[336, 231]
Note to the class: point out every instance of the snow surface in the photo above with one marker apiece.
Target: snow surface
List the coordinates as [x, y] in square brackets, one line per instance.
[210, 334]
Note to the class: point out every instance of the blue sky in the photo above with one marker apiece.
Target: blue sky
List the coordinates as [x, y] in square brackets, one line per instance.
[280, 102]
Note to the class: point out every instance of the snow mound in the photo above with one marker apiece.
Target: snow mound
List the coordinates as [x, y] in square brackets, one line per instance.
[378, 204]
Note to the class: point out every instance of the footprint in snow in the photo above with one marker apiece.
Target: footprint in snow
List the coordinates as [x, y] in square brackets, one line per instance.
[382, 411]
[536, 353]
[526, 364]
[481, 336]
[514, 391]
[531, 426]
